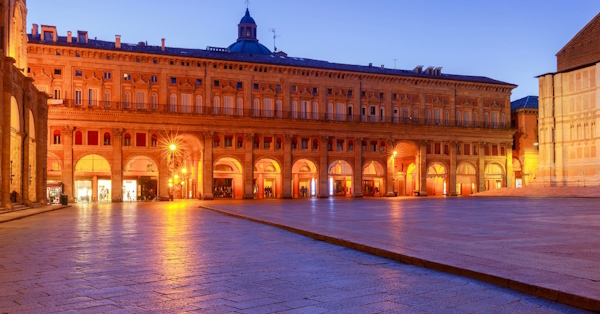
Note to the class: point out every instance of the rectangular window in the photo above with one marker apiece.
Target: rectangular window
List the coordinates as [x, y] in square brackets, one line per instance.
[92, 137]
[278, 145]
[48, 36]
[126, 77]
[92, 97]
[198, 82]
[474, 150]
[140, 100]
[467, 149]
[77, 97]
[438, 148]
[329, 146]
[154, 79]
[57, 72]
[350, 146]
[173, 80]
[305, 144]
[216, 142]
[446, 150]
[78, 73]
[228, 141]
[107, 75]
[340, 146]
[374, 147]
[502, 151]
[494, 150]
[255, 86]
[458, 150]
[57, 93]
[140, 139]
[154, 141]
[428, 148]
[216, 83]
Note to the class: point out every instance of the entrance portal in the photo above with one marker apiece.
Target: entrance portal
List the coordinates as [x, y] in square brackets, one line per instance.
[340, 178]
[90, 171]
[373, 178]
[267, 179]
[436, 179]
[304, 182]
[227, 179]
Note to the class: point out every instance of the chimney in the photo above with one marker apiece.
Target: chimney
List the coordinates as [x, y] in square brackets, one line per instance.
[34, 30]
[118, 41]
[69, 37]
[162, 48]
[418, 69]
[370, 65]
[438, 71]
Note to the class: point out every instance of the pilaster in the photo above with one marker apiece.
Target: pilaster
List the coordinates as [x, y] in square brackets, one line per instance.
[67, 171]
[389, 178]
[452, 169]
[358, 160]
[248, 173]
[207, 165]
[323, 168]
[481, 167]
[423, 168]
[287, 166]
[117, 166]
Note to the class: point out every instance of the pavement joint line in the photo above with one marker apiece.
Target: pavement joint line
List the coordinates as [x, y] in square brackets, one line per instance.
[531, 289]
[24, 213]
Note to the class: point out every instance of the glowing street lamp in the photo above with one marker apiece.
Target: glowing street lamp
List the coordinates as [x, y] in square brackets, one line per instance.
[172, 147]
[183, 170]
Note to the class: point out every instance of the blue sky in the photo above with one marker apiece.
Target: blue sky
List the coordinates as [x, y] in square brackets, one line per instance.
[509, 40]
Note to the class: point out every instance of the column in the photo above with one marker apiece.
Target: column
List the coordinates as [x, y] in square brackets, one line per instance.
[6, 152]
[207, 166]
[452, 169]
[41, 157]
[358, 160]
[24, 142]
[287, 166]
[510, 175]
[323, 168]
[67, 170]
[481, 168]
[116, 167]
[423, 168]
[391, 160]
[163, 178]
[3, 175]
[248, 172]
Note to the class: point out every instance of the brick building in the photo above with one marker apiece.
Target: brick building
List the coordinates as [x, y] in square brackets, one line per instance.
[129, 120]
[23, 116]
[569, 113]
[524, 114]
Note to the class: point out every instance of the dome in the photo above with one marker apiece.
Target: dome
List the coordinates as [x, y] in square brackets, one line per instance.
[249, 46]
[247, 19]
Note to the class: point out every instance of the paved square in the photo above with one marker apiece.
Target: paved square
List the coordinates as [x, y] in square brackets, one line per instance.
[175, 257]
[552, 243]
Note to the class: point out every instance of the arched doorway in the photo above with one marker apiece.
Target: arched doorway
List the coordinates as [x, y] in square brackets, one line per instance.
[494, 177]
[227, 178]
[92, 179]
[466, 179]
[373, 179]
[304, 178]
[140, 179]
[405, 172]
[518, 173]
[267, 178]
[340, 175]
[16, 150]
[436, 179]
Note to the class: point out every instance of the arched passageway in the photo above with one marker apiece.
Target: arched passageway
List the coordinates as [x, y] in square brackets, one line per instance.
[466, 179]
[304, 178]
[436, 179]
[267, 179]
[92, 179]
[405, 171]
[373, 179]
[340, 176]
[227, 178]
[494, 177]
[140, 179]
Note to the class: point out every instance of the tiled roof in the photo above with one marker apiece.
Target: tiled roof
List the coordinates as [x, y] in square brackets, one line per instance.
[263, 59]
[530, 102]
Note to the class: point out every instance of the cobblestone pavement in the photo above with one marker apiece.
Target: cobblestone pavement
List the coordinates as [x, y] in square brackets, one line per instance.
[550, 243]
[174, 257]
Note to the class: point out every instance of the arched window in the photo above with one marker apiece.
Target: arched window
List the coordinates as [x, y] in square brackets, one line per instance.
[475, 122]
[279, 108]
[199, 106]
[315, 110]
[154, 101]
[126, 139]
[446, 117]
[106, 98]
[216, 105]
[427, 116]
[239, 105]
[486, 120]
[458, 116]
[173, 103]
[294, 109]
[256, 108]
[57, 137]
[329, 111]
[127, 100]
[78, 138]
[154, 140]
[106, 138]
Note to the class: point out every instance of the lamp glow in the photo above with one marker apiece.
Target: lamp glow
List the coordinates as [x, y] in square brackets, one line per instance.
[172, 147]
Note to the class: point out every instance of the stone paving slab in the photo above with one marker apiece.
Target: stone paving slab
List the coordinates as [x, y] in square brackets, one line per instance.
[174, 258]
[19, 214]
[545, 247]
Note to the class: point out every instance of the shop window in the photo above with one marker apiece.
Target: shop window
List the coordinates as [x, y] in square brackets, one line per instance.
[228, 141]
[216, 142]
[154, 140]
[78, 138]
[350, 146]
[240, 142]
[126, 139]
[92, 137]
[304, 144]
[467, 149]
[340, 145]
[140, 139]
[106, 139]
[57, 137]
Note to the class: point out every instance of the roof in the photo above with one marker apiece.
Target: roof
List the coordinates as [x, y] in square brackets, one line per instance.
[529, 102]
[263, 59]
[247, 19]
[581, 31]
[249, 46]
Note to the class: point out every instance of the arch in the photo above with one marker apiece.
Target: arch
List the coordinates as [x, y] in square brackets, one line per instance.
[494, 175]
[92, 179]
[140, 178]
[173, 103]
[227, 178]
[15, 115]
[373, 168]
[31, 132]
[106, 138]
[267, 178]
[92, 163]
[256, 107]
[304, 178]
[437, 173]
[373, 174]
[405, 182]
[466, 178]
[340, 175]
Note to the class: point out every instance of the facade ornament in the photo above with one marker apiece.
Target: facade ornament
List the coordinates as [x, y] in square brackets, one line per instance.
[249, 136]
[208, 135]
[118, 132]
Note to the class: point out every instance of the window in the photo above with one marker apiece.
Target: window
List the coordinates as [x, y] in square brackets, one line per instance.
[153, 79]
[304, 144]
[57, 72]
[127, 100]
[294, 143]
[199, 108]
[186, 103]
[502, 120]
[78, 73]
[315, 110]
[240, 107]
[255, 86]
[173, 80]
[256, 108]
[278, 144]
[475, 119]
[154, 140]
[173, 103]
[140, 139]
[438, 148]
[48, 36]
[427, 116]
[228, 141]
[267, 143]
[494, 150]
[340, 145]
[486, 120]
[240, 142]
[267, 107]
[78, 138]
[293, 88]
[77, 97]
[373, 114]
[198, 82]
[429, 149]
[374, 146]
[216, 83]
[107, 98]
[494, 119]
[238, 85]
[216, 105]
[140, 100]
[154, 101]
[475, 150]
[446, 117]
[329, 111]
[340, 110]
[350, 146]
[446, 150]
[57, 93]
[415, 116]
[92, 138]
[467, 150]
[126, 77]
[106, 138]
[92, 97]
[466, 118]
[458, 115]
[57, 137]
[315, 144]
[107, 75]
[256, 142]
[364, 146]
[330, 145]
[381, 115]
[216, 141]
[437, 116]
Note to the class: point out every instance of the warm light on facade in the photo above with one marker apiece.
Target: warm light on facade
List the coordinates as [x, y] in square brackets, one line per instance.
[172, 147]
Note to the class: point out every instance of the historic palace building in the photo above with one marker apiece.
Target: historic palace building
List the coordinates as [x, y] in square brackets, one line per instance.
[23, 116]
[569, 113]
[524, 119]
[128, 121]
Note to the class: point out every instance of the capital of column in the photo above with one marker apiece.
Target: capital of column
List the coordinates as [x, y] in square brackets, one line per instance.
[288, 137]
[249, 136]
[208, 134]
[324, 139]
[118, 132]
[68, 130]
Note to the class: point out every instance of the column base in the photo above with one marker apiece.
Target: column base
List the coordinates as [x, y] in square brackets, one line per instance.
[390, 194]
[248, 197]
[423, 193]
[357, 195]
[287, 197]
[453, 194]
[208, 197]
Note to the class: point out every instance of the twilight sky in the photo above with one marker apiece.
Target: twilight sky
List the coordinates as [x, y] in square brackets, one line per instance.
[508, 40]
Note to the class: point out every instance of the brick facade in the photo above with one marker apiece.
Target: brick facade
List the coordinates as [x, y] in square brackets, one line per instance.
[583, 49]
